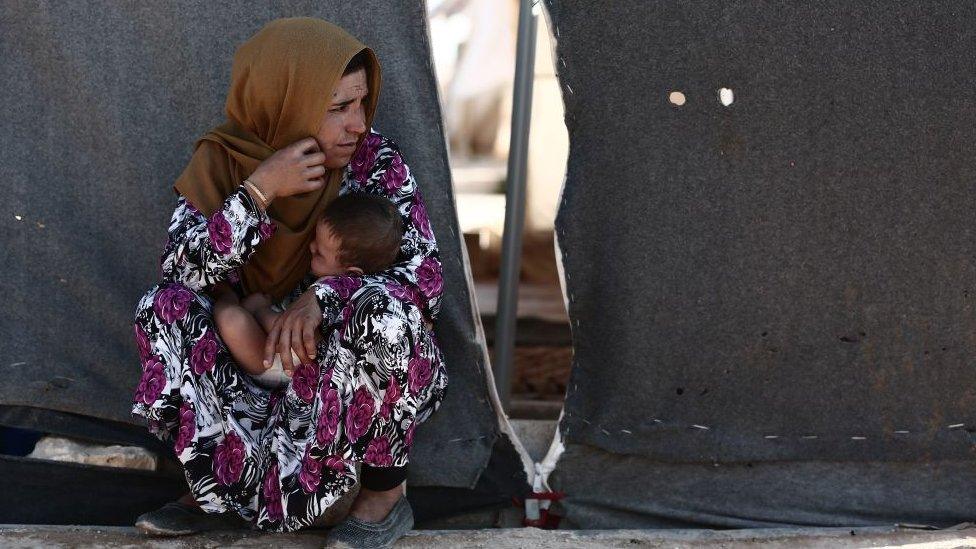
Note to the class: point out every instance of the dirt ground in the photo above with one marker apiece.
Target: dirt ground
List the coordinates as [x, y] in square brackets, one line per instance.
[12, 536]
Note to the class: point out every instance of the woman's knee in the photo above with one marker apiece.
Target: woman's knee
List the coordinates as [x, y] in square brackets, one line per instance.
[169, 302]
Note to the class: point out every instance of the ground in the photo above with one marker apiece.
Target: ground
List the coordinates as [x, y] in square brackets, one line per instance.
[13, 536]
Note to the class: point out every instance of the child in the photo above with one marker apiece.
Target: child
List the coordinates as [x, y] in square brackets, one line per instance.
[358, 234]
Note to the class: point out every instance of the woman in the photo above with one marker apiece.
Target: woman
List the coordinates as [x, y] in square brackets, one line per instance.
[369, 368]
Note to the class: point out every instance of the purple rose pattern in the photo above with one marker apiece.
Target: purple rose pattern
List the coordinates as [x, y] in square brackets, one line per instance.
[187, 428]
[378, 452]
[199, 419]
[408, 436]
[359, 414]
[220, 233]
[418, 215]
[311, 473]
[345, 286]
[398, 291]
[335, 463]
[142, 342]
[152, 382]
[266, 230]
[305, 380]
[406, 293]
[202, 251]
[204, 354]
[172, 302]
[394, 176]
[429, 277]
[328, 424]
[271, 493]
[390, 399]
[419, 373]
[229, 459]
[364, 159]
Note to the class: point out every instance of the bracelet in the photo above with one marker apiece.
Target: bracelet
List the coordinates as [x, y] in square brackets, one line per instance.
[250, 185]
[264, 200]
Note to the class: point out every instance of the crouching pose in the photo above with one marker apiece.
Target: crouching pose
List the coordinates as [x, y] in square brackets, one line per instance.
[355, 343]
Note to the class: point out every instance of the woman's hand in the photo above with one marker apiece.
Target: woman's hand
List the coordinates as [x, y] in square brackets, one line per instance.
[295, 329]
[294, 169]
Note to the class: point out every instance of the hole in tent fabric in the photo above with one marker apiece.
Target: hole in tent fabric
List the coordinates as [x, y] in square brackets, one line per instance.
[677, 98]
[726, 96]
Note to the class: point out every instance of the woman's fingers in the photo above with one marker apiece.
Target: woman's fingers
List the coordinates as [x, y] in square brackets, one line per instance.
[284, 349]
[314, 184]
[307, 144]
[308, 337]
[294, 331]
[296, 345]
[271, 342]
[314, 159]
[313, 172]
[287, 171]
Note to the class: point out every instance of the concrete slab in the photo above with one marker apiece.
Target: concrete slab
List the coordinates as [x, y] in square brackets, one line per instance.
[81, 451]
[19, 536]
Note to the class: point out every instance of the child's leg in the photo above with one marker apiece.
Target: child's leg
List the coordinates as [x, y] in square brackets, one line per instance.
[259, 305]
[242, 334]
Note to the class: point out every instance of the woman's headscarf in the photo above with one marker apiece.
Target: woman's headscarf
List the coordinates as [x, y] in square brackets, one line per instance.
[281, 85]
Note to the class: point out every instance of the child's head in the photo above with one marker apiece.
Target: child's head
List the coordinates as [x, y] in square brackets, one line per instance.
[358, 234]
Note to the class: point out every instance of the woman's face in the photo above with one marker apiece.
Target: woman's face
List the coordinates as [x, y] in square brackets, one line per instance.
[344, 121]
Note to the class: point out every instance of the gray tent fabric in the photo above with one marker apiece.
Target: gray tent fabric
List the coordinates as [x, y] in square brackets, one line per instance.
[761, 494]
[772, 301]
[104, 101]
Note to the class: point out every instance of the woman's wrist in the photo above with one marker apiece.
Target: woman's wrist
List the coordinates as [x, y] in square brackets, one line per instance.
[259, 192]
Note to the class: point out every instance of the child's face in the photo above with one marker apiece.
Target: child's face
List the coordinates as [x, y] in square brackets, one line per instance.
[325, 252]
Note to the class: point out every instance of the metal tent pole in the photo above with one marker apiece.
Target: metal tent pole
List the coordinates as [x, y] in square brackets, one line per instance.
[514, 202]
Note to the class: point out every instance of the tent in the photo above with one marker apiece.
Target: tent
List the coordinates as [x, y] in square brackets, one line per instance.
[771, 287]
[105, 102]
[765, 236]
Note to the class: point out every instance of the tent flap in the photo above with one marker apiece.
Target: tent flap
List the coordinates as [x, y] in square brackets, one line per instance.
[766, 234]
[107, 103]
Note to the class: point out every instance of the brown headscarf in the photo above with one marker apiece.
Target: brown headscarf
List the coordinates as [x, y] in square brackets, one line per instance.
[281, 85]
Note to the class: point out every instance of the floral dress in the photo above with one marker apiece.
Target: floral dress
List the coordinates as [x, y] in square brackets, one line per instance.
[280, 458]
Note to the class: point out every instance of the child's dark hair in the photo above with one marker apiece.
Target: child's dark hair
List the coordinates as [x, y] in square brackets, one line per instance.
[369, 229]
